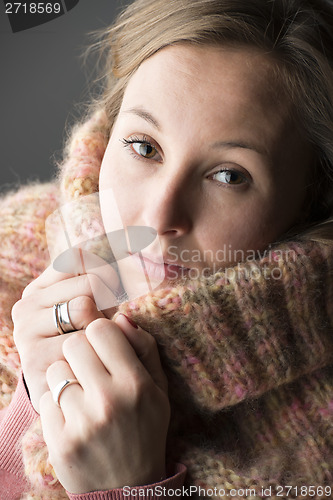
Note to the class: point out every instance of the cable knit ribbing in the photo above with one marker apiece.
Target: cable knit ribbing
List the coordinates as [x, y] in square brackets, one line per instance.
[248, 354]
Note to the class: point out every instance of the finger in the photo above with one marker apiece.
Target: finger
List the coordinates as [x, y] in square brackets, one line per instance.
[47, 278]
[70, 398]
[81, 311]
[29, 321]
[52, 420]
[89, 262]
[102, 292]
[58, 290]
[102, 283]
[79, 355]
[114, 350]
[48, 350]
[145, 348]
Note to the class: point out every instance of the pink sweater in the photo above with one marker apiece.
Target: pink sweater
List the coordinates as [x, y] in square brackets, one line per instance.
[15, 420]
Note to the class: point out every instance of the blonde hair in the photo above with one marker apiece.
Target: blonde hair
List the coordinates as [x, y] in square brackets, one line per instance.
[298, 34]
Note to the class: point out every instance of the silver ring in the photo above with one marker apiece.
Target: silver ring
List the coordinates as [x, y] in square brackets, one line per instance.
[61, 318]
[59, 389]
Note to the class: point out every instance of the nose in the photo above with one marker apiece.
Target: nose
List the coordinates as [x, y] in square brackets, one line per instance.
[169, 206]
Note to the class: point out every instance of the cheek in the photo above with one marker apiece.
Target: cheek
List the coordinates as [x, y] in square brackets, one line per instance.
[119, 194]
[286, 207]
[108, 171]
[247, 227]
[110, 177]
[226, 233]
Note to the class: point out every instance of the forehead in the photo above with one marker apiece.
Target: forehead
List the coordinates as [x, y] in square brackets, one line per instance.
[224, 86]
[194, 68]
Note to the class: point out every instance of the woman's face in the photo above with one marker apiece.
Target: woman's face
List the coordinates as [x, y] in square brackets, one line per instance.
[205, 152]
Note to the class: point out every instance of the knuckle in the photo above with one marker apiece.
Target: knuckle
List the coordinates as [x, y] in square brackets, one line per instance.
[93, 280]
[17, 309]
[19, 315]
[72, 340]
[57, 367]
[82, 303]
[137, 386]
[81, 286]
[87, 283]
[23, 307]
[28, 290]
[96, 326]
[82, 310]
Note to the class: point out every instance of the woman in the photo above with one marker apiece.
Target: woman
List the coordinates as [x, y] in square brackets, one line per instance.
[215, 130]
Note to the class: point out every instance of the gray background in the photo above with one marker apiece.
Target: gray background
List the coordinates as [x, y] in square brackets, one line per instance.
[42, 82]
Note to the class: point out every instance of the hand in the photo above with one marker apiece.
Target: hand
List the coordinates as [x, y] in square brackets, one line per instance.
[111, 429]
[35, 334]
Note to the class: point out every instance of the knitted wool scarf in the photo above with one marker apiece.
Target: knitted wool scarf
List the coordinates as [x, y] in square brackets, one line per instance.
[248, 354]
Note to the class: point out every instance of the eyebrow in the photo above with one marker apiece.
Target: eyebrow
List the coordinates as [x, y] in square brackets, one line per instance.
[142, 113]
[148, 117]
[242, 145]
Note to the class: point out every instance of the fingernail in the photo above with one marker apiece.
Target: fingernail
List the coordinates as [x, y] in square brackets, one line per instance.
[131, 322]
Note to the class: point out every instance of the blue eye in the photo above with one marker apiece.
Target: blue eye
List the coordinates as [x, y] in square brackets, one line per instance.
[231, 177]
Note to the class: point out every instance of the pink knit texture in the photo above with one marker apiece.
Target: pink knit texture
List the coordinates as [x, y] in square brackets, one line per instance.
[249, 361]
[79, 173]
[23, 256]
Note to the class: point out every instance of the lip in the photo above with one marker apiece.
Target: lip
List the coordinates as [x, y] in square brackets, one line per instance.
[160, 269]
